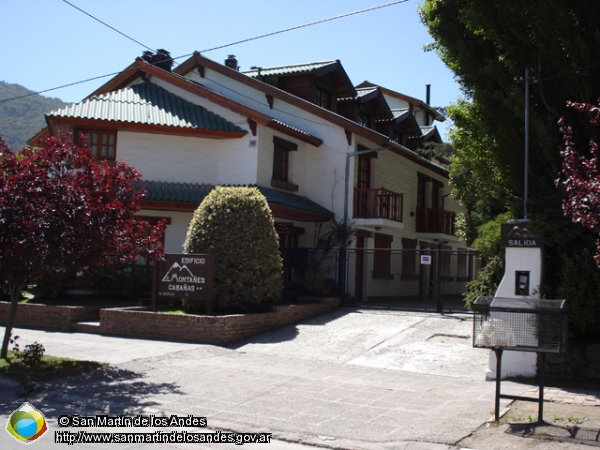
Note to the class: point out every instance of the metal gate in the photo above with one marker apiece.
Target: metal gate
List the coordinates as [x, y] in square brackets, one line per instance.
[420, 279]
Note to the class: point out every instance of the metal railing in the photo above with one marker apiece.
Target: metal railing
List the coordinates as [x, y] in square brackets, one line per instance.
[435, 220]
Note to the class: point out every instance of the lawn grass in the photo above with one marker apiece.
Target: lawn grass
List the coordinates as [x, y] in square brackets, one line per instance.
[172, 311]
[51, 367]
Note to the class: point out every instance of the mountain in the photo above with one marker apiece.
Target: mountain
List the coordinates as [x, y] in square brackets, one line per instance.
[21, 119]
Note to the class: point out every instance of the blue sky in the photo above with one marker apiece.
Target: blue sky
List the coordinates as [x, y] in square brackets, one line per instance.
[48, 43]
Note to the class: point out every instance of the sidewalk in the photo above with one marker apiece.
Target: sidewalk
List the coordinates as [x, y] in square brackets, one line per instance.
[350, 379]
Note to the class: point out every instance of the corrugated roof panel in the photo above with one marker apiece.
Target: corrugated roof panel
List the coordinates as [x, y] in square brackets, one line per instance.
[286, 70]
[149, 104]
[195, 192]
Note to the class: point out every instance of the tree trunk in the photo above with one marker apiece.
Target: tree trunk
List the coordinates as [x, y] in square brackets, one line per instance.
[15, 295]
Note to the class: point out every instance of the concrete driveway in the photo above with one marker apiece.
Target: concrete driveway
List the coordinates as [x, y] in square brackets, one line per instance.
[348, 379]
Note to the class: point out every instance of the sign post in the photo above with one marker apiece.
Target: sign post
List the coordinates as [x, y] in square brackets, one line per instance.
[185, 276]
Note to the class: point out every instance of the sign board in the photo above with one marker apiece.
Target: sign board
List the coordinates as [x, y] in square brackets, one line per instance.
[426, 260]
[520, 235]
[185, 276]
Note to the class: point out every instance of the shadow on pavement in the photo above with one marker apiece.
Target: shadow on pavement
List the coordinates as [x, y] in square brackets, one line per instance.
[290, 332]
[108, 389]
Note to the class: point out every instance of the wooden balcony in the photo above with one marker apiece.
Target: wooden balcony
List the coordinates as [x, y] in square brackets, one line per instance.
[435, 220]
[377, 203]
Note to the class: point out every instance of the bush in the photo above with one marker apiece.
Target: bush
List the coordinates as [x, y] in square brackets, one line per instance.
[580, 285]
[237, 223]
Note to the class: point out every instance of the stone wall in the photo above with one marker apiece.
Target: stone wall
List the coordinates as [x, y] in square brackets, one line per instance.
[132, 322]
[33, 315]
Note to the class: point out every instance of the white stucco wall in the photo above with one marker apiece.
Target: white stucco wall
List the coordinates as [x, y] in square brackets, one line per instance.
[176, 230]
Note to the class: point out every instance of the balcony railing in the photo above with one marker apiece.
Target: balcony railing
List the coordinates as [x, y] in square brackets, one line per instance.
[435, 220]
[377, 203]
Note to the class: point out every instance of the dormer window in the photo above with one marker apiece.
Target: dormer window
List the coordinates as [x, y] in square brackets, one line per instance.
[365, 119]
[323, 98]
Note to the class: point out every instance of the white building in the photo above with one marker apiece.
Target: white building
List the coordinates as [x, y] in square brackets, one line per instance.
[290, 131]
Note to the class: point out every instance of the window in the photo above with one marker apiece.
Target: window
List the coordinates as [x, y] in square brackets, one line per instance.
[364, 171]
[102, 143]
[382, 257]
[365, 119]
[281, 164]
[323, 98]
[409, 253]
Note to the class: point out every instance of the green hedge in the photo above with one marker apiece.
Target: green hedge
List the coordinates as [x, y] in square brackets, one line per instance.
[237, 223]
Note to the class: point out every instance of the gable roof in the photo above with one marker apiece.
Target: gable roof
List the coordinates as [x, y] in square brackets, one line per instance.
[200, 63]
[431, 133]
[149, 104]
[407, 119]
[415, 101]
[318, 69]
[142, 69]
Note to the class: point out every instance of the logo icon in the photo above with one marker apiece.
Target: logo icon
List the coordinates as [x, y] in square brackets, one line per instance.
[26, 424]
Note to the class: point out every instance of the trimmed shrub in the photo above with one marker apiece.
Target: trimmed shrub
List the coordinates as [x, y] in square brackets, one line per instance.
[237, 223]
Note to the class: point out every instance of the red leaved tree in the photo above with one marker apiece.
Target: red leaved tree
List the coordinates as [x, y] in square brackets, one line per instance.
[61, 209]
[580, 178]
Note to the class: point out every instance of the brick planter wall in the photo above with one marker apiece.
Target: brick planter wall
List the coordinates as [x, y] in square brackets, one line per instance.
[32, 315]
[207, 329]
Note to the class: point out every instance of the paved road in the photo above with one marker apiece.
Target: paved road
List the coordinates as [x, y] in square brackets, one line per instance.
[359, 379]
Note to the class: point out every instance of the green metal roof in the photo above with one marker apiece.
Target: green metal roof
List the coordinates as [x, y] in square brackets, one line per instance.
[287, 70]
[195, 192]
[149, 104]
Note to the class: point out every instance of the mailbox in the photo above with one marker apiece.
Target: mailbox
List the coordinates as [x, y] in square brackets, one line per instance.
[521, 324]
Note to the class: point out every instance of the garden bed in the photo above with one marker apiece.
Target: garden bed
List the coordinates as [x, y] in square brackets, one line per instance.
[135, 322]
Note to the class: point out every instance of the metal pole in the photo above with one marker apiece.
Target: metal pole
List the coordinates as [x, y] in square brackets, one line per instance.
[526, 193]
[343, 252]
[438, 281]
[498, 352]
[541, 396]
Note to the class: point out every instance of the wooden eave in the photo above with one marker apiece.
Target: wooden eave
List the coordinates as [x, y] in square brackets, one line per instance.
[168, 206]
[382, 108]
[44, 133]
[340, 76]
[143, 128]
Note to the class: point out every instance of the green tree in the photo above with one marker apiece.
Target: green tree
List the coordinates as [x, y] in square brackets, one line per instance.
[237, 223]
[488, 45]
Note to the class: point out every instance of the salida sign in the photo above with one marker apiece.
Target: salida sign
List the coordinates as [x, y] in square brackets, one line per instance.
[520, 235]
